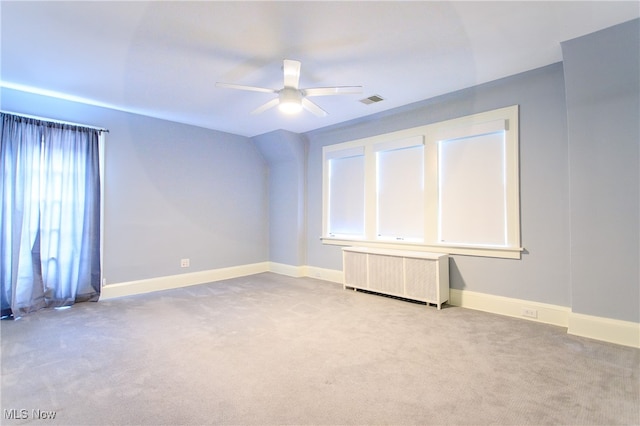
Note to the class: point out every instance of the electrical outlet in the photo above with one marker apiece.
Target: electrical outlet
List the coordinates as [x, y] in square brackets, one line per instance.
[530, 313]
[184, 263]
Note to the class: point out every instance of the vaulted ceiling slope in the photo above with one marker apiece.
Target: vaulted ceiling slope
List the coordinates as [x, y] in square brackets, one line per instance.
[163, 58]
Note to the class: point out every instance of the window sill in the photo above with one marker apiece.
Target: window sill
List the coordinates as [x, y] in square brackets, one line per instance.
[483, 251]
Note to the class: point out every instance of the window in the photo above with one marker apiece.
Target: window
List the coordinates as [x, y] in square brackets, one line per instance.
[400, 190]
[50, 215]
[448, 187]
[346, 193]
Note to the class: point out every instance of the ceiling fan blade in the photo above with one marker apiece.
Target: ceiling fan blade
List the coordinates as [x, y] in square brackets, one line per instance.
[291, 73]
[241, 87]
[340, 90]
[264, 107]
[315, 109]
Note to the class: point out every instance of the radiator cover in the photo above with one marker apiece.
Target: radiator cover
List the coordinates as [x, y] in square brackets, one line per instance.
[411, 275]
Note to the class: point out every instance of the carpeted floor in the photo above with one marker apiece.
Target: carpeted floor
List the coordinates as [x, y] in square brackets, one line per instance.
[269, 349]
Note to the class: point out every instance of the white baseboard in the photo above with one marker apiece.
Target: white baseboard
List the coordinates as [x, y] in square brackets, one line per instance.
[306, 271]
[545, 313]
[324, 274]
[182, 280]
[606, 329]
[288, 270]
[599, 328]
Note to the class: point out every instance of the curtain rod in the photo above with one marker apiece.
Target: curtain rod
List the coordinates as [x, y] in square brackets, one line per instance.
[51, 120]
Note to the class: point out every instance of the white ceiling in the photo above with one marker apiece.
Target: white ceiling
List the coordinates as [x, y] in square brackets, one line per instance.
[162, 58]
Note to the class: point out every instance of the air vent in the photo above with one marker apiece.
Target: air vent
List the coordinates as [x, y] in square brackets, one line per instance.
[372, 99]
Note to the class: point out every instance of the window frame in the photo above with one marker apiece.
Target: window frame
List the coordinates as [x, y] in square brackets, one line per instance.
[506, 118]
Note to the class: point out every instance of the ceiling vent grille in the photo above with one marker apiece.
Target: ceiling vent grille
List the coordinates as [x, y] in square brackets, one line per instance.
[372, 99]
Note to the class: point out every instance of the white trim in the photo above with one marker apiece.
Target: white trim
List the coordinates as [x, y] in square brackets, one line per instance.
[344, 153]
[331, 275]
[473, 128]
[606, 329]
[129, 288]
[486, 251]
[288, 270]
[546, 313]
[394, 144]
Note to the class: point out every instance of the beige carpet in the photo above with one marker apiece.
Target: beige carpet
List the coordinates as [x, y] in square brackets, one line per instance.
[269, 349]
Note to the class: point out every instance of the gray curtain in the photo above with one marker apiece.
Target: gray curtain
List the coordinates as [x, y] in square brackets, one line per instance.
[49, 214]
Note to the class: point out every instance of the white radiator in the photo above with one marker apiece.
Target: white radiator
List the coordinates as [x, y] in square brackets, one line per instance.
[409, 274]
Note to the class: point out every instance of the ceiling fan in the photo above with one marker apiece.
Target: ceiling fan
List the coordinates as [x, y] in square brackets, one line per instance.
[291, 99]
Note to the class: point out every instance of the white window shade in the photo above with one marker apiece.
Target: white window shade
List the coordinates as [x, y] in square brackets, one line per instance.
[346, 196]
[400, 193]
[472, 190]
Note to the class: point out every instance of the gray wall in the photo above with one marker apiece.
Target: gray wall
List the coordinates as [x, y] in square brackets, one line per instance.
[543, 273]
[602, 74]
[579, 177]
[285, 153]
[172, 191]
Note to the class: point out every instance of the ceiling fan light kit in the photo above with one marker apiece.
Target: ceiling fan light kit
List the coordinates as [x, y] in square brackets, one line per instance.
[291, 99]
